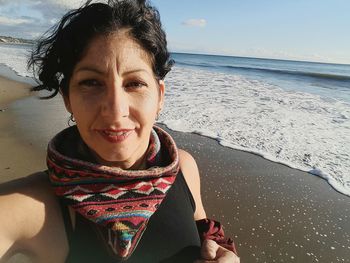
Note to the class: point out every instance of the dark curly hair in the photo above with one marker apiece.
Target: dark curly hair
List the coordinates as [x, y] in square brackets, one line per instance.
[59, 50]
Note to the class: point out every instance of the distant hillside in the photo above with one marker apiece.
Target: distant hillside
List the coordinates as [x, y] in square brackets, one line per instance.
[13, 40]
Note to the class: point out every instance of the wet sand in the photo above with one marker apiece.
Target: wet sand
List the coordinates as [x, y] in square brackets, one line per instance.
[274, 213]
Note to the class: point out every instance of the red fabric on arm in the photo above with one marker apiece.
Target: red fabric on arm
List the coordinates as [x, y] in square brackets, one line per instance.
[213, 230]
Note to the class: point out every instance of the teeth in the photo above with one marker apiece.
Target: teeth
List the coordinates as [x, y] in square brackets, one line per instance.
[115, 133]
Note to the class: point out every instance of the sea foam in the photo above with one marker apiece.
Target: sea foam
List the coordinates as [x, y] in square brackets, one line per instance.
[298, 129]
[15, 57]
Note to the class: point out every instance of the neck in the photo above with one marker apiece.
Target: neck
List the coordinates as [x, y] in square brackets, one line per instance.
[139, 164]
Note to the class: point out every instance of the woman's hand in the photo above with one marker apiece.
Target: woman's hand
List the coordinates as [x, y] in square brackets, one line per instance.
[212, 252]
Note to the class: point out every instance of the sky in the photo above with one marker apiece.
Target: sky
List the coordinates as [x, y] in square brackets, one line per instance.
[311, 30]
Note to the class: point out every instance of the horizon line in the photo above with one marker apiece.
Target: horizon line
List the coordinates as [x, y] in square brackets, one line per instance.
[217, 54]
[266, 58]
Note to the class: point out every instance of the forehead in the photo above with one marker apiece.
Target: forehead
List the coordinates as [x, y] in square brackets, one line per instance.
[118, 50]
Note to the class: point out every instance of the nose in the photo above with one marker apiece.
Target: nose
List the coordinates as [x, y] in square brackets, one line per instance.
[115, 104]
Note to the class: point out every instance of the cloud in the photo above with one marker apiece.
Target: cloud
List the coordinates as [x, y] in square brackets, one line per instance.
[29, 31]
[67, 4]
[31, 18]
[53, 9]
[54, 3]
[6, 21]
[46, 8]
[195, 22]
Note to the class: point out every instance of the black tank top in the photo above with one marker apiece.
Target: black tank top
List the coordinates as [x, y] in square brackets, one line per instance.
[171, 234]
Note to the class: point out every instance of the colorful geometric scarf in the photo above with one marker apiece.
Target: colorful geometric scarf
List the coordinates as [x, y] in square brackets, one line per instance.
[119, 201]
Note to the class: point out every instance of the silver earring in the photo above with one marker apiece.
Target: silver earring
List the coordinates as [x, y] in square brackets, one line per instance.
[71, 120]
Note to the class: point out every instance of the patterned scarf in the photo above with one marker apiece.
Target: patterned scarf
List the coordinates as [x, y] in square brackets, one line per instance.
[120, 202]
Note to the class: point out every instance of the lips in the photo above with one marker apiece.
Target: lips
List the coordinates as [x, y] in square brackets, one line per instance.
[115, 136]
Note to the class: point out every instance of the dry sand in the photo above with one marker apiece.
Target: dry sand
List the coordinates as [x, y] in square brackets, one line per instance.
[11, 90]
[274, 213]
[18, 156]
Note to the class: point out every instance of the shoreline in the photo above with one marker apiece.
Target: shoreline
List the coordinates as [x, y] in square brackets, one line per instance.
[273, 212]
[336, 186]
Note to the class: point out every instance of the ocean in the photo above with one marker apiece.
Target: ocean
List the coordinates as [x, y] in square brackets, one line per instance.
[291, 112]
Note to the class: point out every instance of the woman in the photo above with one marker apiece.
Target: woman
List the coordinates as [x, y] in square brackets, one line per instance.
[122, 191]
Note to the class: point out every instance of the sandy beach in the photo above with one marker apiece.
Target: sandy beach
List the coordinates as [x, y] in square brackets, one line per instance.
[18, 156]
[10, 91]
[274, 213]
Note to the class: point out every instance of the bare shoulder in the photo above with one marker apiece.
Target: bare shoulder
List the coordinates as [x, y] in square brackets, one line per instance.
[186, 160]
[190, 171]
[25, 196]
[29, 216]
[28, 193]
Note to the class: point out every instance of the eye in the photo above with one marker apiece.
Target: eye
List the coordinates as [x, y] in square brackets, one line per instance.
[90, 83]
[135, 85]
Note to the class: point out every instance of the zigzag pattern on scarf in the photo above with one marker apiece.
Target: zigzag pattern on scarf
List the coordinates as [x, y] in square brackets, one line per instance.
[120, 201]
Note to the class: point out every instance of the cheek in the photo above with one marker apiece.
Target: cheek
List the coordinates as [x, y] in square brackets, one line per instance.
[147, 106]
[83, 107]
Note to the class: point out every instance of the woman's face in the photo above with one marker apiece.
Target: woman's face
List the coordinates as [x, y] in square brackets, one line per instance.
[115, 98]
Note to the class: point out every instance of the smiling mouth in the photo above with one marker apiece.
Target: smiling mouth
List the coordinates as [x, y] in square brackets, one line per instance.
[115, 136]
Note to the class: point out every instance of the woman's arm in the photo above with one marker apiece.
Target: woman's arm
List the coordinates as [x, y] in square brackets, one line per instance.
[30, 221]
[190, 171]
[10, 227]
[211, 251]
[19, 216]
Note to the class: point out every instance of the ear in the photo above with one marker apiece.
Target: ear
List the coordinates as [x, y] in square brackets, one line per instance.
[161, 85]
[67, 103]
